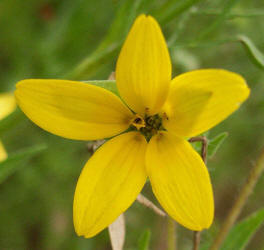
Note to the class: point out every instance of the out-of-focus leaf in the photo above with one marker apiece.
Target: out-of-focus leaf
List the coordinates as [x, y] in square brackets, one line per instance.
[15, 161]
[11, 120]
[232, 15]
[185, 59]
[117, 232]
[91, 64]
[111, 43]
[215, 143]
[253, 52]
[122, 22]
[243, 231]
[219, 19]
[143, 243]
[106, 84]
[181, 25]
[205, 245]
[172, 9]
[203, 44]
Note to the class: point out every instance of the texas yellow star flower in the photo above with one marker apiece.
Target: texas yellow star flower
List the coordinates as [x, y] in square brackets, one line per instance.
[7, 106]
[150, 125]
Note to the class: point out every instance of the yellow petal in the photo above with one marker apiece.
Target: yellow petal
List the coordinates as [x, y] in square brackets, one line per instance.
[200, 99]
[143, 71]
[3, 154]
[7, 104]
[73, 110]
[109, 183]
[180, 181]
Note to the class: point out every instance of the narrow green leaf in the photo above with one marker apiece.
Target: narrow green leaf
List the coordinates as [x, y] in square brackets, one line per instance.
[218, 20]
[215, 143]
[122, 22]
[243, 231]
[203, 43]
[16, 161]
[106, 84]
[253, 52]
[57, 30]
[94, 62]
[143, 243]
[111, 42]
[172, 9]
[232, 15]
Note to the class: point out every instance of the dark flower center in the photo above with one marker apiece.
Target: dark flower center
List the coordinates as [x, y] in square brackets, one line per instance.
[148, 126]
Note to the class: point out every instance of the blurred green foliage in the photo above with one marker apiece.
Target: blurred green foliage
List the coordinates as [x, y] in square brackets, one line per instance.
[241, 233]
[81, 40]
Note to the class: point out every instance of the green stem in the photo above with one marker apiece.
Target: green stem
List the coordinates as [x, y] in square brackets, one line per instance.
[172, 239]
[235, 211]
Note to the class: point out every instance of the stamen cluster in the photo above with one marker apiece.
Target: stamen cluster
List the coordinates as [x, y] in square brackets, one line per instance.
[148, 126]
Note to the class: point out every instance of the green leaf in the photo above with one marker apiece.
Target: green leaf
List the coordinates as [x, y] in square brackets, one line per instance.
[111, 42]
[231, 15]
[215, 143]
[106, 84]
[253, 52]
[122, 22]
[242, 232]
[219, 19]
[172, 9]
[143, 243]
[15, 161]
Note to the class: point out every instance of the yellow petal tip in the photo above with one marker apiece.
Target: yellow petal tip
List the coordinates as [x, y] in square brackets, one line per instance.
[143, 70]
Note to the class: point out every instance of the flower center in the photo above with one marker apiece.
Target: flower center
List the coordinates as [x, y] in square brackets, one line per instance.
[148, 126]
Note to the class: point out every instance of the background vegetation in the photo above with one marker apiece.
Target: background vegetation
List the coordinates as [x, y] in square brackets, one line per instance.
[80, 40]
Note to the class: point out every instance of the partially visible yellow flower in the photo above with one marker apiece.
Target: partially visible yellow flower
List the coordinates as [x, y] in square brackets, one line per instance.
[7, 106]
[160, 114]
[3, 153]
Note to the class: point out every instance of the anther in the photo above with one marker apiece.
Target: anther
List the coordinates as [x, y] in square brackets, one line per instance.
[138, 122]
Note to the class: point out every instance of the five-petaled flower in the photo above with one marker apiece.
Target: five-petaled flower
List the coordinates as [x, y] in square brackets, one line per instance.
[150, 132]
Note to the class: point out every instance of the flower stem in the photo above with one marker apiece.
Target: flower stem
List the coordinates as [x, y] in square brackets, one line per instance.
[196, 240]
[172, 239]
[246, 190]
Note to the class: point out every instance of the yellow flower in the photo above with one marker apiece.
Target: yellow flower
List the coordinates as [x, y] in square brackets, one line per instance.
[7, 106]
[161, 114]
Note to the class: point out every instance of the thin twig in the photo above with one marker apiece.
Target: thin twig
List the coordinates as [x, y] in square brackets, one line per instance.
[242, 198]
[203, 139]
[147, 203]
